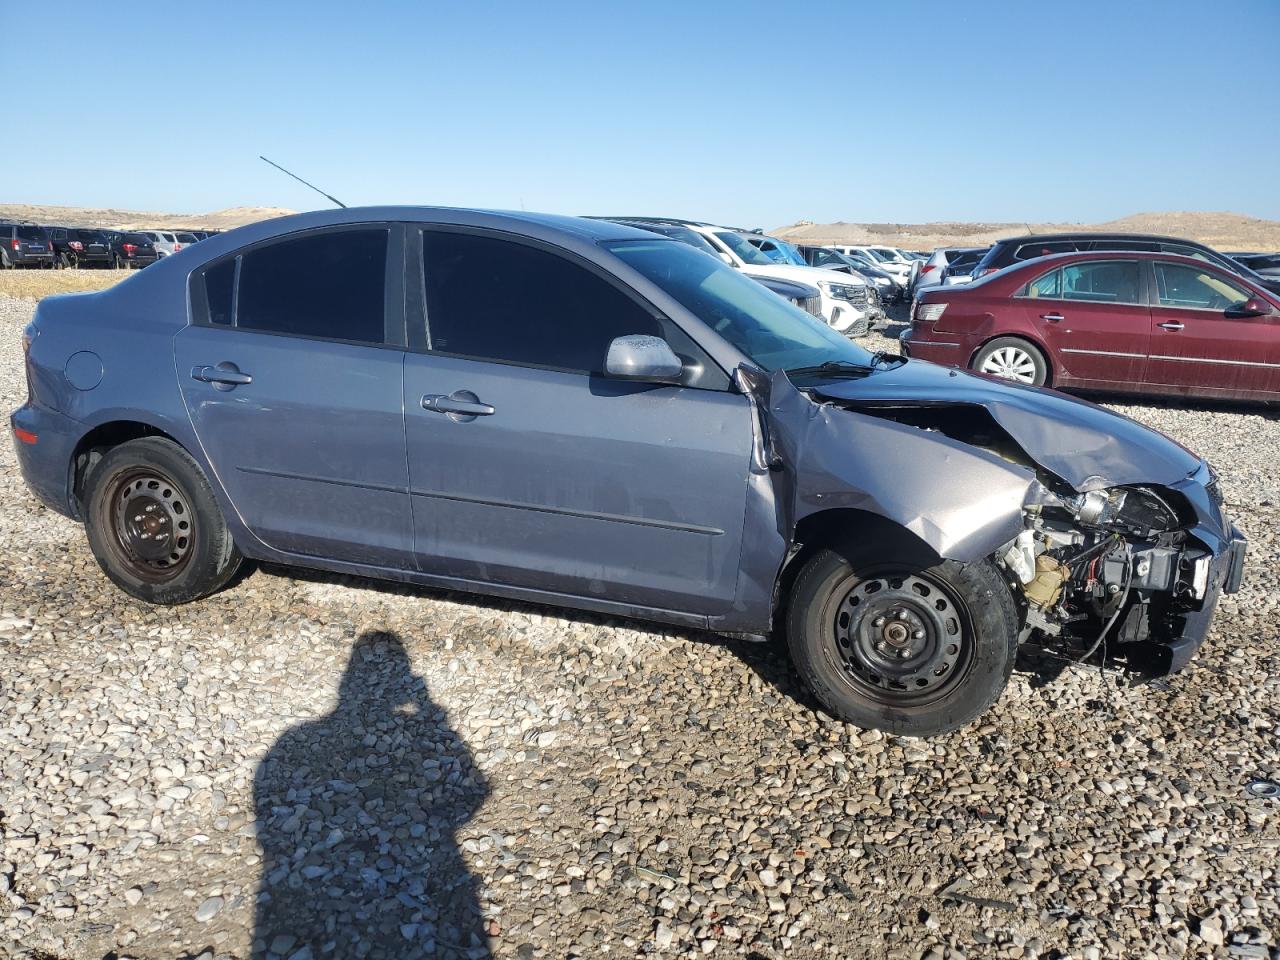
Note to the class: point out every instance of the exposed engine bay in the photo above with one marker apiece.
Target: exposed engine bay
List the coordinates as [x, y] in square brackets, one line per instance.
[1113, 564]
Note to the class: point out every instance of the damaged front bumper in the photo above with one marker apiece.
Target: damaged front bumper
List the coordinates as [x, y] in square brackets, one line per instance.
[1172, 653]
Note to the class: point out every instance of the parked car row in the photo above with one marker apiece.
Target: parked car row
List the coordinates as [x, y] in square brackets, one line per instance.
[46, 247]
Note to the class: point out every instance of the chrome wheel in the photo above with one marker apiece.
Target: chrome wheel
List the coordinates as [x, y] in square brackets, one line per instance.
[1011, 363]
[901, 638]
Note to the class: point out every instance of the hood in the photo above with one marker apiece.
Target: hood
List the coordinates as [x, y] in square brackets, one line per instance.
[810, 275]
[1086, 446]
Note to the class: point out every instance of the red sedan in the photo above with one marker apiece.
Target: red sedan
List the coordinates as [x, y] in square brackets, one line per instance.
[1111, 320]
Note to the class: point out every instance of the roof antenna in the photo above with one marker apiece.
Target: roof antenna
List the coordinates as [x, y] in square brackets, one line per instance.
[300, 180]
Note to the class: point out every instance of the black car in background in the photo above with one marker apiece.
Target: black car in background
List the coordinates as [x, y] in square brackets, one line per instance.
[131, 250]
[1263, 264]
[1016, 249]
[24, 245]
[81, 247]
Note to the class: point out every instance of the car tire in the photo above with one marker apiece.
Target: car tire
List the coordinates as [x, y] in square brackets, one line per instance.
[5, 264]
[1014, 359]
[154, 525]
[893, 643]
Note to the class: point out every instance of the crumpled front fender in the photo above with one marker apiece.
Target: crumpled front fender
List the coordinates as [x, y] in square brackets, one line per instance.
[962, 501]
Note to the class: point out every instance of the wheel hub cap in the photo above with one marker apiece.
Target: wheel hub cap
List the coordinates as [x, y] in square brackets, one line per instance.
[1012, 364]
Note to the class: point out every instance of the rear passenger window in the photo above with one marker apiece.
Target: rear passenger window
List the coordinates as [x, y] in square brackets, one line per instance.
[1050, 285]
[219, 291]
[1106, 281]
[330, 285]
[1029, 251]
[497, 300]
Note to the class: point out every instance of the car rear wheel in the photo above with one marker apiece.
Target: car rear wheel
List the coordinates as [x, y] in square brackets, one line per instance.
[885, 641]
[154, 525]
[1013, 358]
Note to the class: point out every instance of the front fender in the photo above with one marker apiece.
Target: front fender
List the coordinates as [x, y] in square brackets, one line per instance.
[962, 501]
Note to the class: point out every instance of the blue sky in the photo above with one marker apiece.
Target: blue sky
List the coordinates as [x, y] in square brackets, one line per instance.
[750, 113]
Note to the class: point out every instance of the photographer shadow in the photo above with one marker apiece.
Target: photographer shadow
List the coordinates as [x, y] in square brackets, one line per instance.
[357, 815]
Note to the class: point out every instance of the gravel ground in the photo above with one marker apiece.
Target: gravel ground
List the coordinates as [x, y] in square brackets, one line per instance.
[309, 765]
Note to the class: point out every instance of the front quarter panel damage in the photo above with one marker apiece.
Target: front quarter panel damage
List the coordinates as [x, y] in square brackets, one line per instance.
[962, 501]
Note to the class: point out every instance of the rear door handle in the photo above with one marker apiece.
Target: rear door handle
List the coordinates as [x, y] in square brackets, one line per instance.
[1172, 325]
[1052, 317]
[224, 376]
[461, 405]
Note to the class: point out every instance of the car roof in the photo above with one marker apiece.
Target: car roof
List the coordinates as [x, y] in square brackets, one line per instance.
[1097, 235]
[1115, 255]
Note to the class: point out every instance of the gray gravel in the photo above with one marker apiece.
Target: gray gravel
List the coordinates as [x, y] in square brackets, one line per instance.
[315, 766]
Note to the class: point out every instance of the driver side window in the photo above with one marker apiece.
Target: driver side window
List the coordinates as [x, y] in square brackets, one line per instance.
[1193, 288]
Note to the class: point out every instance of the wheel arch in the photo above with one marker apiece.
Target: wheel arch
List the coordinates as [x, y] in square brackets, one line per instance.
[1033, 340]
[836, 528]
[97, 441]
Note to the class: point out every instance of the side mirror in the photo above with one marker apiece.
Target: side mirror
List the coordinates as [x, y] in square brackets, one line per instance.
[638, 357]
[1253, 307]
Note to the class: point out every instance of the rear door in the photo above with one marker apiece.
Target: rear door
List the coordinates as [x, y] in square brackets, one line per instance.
[1199, 345]
[291, 372]
[1094, 318]
[565, 481]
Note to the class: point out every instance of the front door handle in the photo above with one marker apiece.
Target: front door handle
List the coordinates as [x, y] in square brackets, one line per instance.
[1172, 325]
[1052, 317]
[224, 376]
[461, 406]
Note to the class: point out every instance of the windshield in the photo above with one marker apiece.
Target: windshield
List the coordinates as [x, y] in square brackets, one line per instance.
[747, 251]
[772, 332]
[790, 252]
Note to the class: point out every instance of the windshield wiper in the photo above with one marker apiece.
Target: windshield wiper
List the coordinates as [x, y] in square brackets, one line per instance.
[835, 368]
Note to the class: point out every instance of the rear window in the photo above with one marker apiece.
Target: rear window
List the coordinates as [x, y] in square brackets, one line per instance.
[91, 236]
[185, 238]
[1029, 251]
[26, 232]
[330, 286]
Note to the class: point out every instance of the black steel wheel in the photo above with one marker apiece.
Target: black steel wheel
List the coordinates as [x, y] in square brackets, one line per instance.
[154, 524]
[899, 645]
[151, 523]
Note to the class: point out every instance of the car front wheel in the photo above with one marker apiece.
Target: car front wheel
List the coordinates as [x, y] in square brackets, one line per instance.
[894, 644]
[154, 525]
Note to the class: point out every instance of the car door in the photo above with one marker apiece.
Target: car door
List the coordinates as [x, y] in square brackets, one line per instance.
[532, 470]
[1093, 317]
[291, 372]
[1202, 344]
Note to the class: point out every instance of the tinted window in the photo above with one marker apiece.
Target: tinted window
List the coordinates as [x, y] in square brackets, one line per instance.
[1184, 251]
[1029, 251]
[219, 291]
[498, 300]
[1106, 281]
[30, 233]
[1193, 288]
[329, 285]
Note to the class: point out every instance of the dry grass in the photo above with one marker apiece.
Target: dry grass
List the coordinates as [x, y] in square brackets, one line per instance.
[42, 283]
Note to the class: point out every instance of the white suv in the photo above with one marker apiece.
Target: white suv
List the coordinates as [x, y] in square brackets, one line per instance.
[164, 241]
[887, 259]
[846, 300]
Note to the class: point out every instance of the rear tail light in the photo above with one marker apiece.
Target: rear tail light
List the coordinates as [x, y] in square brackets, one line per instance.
[929, 312]
[75, 245]
[129, 249]
[25, 436]
[14, 244]
[177, 247]
[927, 267]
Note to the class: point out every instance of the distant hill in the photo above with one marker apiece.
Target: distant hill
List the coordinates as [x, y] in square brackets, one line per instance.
[1225, 231]
[137, 220]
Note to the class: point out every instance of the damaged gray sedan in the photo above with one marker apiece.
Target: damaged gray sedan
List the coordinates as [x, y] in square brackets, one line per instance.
[574, 412]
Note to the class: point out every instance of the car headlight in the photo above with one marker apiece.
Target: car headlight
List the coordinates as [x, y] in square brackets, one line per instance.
[1136, 510]
[841, 291]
